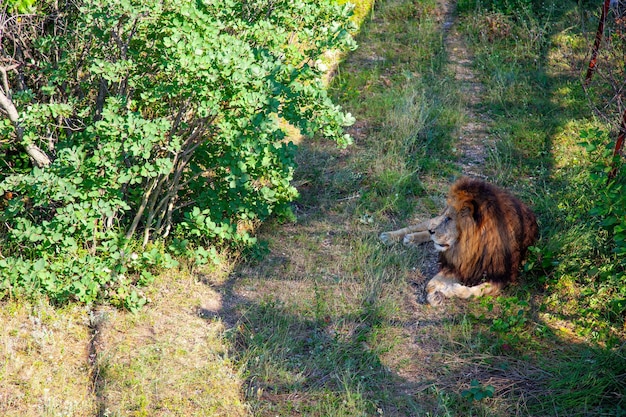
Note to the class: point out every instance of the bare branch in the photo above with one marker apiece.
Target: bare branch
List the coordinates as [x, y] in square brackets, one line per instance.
[140, 210]
[5, 79]
[39, 157]
[9, 108]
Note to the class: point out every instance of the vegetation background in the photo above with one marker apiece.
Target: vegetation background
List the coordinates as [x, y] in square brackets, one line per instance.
[159, 263]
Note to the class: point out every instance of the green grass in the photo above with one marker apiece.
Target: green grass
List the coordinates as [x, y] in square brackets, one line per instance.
[321, 319]
[538, 108]
[331, 325]
[538, 118]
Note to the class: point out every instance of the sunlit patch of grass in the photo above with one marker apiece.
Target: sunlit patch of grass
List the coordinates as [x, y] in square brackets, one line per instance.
[43, 361]
[171, 357]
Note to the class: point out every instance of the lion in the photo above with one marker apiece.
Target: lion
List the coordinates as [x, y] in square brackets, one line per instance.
[482, 237]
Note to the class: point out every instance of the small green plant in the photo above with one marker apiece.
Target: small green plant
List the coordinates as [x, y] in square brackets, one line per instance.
[513, 317]
[610, 179]
[477, 391]
[510, 325]
[607, 297]
[540, 262]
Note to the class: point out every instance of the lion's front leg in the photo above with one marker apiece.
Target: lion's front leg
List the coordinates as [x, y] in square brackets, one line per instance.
[411, 235]
[446, 285]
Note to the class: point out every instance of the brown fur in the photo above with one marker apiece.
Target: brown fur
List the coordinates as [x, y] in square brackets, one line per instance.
[483, 235]
[495, 230]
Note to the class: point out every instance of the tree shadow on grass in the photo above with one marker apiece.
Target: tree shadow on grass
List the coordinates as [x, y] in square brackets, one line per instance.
[316, 332]
[305, 365]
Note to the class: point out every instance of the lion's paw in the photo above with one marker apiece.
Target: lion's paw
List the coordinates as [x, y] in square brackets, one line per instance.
[386, 238]
[435, 298]
[408, 241]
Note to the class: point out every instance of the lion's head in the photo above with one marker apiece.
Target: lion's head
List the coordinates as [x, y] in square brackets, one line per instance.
[483, 233]
[443, 230]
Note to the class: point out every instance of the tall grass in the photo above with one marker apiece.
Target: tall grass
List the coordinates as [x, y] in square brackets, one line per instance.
[331, 323]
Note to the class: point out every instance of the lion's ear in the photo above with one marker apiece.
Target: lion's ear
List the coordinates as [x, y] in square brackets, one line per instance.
[471, 209]
[466, 210]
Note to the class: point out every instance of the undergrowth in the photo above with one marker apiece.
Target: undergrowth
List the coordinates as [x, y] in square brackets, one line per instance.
[530, 56]
[512, 355]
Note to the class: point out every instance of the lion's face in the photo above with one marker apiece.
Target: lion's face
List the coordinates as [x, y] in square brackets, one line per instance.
[443, 230]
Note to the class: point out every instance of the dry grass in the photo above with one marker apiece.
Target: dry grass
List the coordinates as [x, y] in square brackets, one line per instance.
[170, 359]
[44, 361]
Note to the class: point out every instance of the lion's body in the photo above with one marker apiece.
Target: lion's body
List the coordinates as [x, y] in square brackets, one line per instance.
[482, 236]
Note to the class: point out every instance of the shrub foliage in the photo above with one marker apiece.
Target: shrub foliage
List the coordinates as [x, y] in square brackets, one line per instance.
[132, 121]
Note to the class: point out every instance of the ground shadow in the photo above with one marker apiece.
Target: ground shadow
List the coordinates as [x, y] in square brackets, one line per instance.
[316, 332]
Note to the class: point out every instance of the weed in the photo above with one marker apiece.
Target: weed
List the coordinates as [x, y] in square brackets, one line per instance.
[477, 391]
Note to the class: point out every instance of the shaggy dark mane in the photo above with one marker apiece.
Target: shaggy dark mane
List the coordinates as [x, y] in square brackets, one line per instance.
[495, 231]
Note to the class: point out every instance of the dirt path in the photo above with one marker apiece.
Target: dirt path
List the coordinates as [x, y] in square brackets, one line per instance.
[474, 140]
[472, 146]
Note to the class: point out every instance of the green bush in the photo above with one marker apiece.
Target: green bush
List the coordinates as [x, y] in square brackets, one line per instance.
[157, 119]
[608, 301]
[20, 6]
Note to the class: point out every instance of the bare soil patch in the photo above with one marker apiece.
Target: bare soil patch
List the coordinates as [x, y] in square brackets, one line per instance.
[474, 140]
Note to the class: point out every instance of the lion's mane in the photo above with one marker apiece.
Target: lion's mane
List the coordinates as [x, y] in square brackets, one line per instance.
[495, 230]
